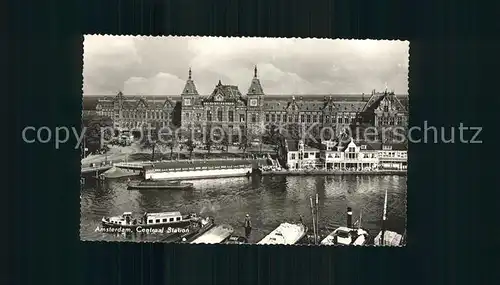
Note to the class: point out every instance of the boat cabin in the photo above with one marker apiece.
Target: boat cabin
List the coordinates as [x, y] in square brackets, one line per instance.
[167, 217]
[348, 236]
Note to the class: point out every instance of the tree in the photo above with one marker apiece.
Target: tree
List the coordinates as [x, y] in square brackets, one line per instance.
[225, 141]
[94, 124]
[190, 147]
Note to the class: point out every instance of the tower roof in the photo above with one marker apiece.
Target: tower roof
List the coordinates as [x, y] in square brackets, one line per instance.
[255, 87]
[190, 87]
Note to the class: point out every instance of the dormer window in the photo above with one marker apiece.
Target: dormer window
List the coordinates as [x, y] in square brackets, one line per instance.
[363, 146]
[387, 147]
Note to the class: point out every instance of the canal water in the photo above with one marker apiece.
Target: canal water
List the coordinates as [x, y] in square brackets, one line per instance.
[268, 200]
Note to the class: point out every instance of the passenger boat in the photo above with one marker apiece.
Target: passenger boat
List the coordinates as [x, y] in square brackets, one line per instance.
[151, 184]
[217, 234]
[347, 235]
[149, 220]
[185, 170]
[384, 237]
[285, 234]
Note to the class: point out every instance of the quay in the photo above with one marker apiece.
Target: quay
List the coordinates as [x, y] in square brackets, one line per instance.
[332, 172]
[93, 169]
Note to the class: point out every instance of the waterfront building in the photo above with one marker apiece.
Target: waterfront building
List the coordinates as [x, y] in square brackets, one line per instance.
[348, 155]
[228, 108]
[299, 156]
[136, 112]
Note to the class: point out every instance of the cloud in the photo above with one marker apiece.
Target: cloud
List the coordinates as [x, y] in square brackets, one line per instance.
[159, 66]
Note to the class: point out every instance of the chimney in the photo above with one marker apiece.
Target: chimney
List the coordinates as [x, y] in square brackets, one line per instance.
[349, 217]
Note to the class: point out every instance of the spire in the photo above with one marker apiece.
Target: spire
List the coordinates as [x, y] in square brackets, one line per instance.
[386, 87]
[190, 87]
[255, 87]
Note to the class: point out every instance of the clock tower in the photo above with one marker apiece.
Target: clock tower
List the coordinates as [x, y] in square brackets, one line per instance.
[255, 103]
[189, 97]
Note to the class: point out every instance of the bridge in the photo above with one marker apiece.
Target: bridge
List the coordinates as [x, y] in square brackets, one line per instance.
[132, 165]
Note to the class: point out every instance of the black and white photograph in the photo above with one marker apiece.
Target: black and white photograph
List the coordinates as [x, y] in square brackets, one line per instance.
[265, 141]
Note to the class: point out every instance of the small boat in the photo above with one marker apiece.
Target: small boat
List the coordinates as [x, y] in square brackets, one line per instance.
[149, 220]
[194, 230]
[159, 185]
[348, 235]
[285, 234]
[217, 234]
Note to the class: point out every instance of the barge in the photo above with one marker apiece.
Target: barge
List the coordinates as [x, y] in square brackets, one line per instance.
[187, 170]
[151, 184]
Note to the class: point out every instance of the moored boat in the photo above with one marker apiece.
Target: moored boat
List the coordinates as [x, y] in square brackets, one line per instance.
[198, 169]
[217, 234]
[159, 185]
[347, 235]
[195, 229]
[285, 234]
[148, 221]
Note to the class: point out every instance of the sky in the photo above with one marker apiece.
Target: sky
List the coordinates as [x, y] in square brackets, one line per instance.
[159, 65]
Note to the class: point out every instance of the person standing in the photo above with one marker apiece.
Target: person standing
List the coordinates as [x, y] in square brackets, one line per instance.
[248, 226]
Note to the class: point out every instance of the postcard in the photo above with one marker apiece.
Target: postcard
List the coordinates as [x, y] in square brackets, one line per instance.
[265, 141]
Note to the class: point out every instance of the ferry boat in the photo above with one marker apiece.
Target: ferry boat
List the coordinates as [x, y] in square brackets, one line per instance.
[347, 235]
[198, 169]
[285, 234]
[149, 220]
[384, 237]
[151, 184]
[217, 234]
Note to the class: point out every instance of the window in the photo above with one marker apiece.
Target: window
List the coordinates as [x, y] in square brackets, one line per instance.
[178, 219]
[352, 149]
[164, 220]
[400, 120]
[363, 146]
[341, 120]
[171, 219]
[273, 117]
[209, 115]
[219, 115]
[254, 118]
[230, 115]
[386, 108]
[242, 117]
[150, 221]
[315, 118]
[306, 155]
[278, 117]
[198, 116]
[267, 117]
[317, 155]
[293, 156]
[302, 118]
[157, 221]
[308, 118]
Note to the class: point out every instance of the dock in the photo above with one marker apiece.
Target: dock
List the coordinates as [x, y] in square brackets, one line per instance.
[91, 169]
[332, 172]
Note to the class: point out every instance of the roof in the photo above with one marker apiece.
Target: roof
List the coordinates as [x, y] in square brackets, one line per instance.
[164, 214]
[201, 163]
[215, 235]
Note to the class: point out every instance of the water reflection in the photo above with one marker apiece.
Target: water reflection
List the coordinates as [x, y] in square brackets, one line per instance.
[269, 201]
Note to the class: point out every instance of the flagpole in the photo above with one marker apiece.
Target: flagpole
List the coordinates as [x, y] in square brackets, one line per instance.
[384, 218]
[313, 220]
[317, 216]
